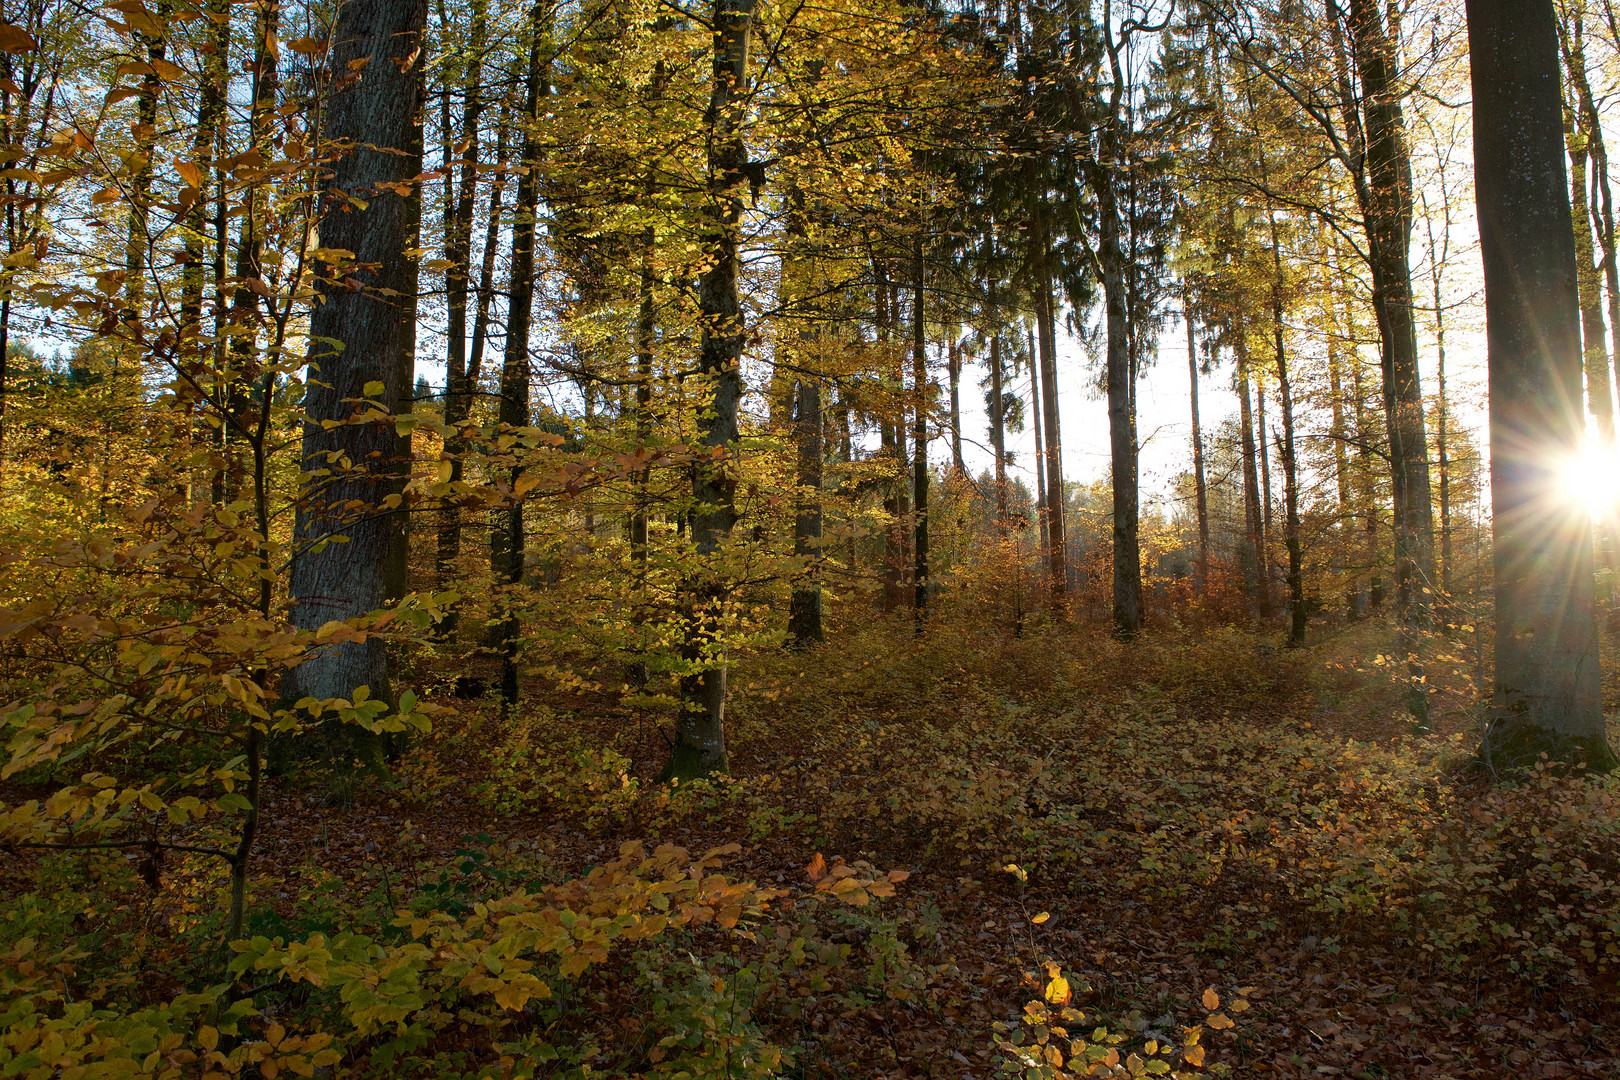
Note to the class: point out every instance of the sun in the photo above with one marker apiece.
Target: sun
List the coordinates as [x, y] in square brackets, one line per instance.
[1593, 477]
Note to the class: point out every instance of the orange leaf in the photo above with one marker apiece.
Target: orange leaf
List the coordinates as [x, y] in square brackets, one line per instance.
[1212, 1000]
[817, 868]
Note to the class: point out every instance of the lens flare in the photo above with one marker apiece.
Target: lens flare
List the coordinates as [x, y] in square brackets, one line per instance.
[1592, 478]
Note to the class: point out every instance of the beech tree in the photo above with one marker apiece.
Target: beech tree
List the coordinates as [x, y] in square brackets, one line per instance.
[357, 336]
[1546, 691]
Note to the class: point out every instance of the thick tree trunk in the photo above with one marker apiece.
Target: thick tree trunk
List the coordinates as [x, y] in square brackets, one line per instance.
[1387, 213]
[1547, 682]
[700, 742]
[376, 104]
[506, 555]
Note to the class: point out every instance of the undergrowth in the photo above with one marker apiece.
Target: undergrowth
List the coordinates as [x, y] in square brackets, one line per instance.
[1085, 848]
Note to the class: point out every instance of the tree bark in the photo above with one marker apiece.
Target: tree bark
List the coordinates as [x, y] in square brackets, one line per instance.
[700, 743]
[506, 555]
[919, 439]
[1046, 330]
[1341, 462]
[376, 106]
[1122, 444]
[1254, 571]
[954, 365]
[804, 609]
[1200, 487]
[460, 204]
[1387, 215]
[1041, 514]
[1547, 679]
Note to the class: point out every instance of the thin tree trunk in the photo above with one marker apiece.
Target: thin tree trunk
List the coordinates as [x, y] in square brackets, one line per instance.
[1040, 453]
[804, 608]
[919, 438]
[1200, 489]
[1600, 208]
[1341, 462]
[460, 204]
[1285, 394]
[1548, 680]
[1259, 586]
[1046, 329]
[507, 539]
[998, 430]
[954, 365]
[1442, 406]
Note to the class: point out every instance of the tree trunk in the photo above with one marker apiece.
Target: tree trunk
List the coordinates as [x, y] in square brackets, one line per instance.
[206, 146]
[1285, 396]
[1254, 571]
[1547, 682]
[1200, 488]
[1341, 463]
[998, 430]
[1040, 453]
[1046, 329]
[700, 743]
[1589, 290]
[954, 364]
[804, 609]
[506, 555]
[1122, 446]
[1598, 213]
[460, 204]
[377, 105]
[1387, 214]
[919, 439]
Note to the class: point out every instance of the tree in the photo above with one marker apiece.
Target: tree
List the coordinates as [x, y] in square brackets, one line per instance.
[700, 738]
[357, 335]
[1546, 695]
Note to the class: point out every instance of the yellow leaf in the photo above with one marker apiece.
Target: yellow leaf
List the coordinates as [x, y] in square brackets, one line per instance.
[1220, 1022]
[1194, 1055]
[1212, 1000]
[1058, 992]
[1042, 917]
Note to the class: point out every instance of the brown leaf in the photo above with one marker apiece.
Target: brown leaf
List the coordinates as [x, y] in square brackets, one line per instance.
[14, 39]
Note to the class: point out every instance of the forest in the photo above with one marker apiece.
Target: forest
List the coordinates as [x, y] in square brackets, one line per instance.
[809, 539]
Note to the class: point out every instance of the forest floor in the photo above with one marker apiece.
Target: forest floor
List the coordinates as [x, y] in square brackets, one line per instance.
[1194, 811]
